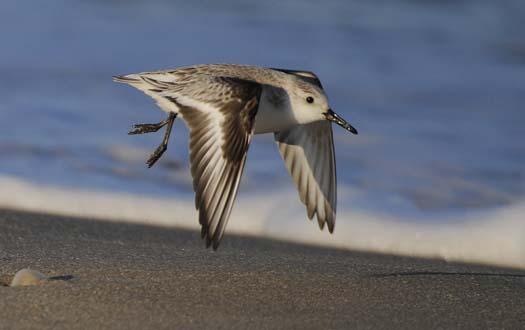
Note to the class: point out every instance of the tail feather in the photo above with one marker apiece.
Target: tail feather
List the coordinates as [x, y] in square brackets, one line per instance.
[127, 79]
[150, 87]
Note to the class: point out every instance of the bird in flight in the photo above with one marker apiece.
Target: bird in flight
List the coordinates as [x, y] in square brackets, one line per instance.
[224, 105]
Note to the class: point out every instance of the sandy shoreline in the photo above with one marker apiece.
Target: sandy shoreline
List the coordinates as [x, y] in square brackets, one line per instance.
[136, 276]
[492, 237]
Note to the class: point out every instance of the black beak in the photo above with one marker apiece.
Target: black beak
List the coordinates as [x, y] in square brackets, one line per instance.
[334, 117]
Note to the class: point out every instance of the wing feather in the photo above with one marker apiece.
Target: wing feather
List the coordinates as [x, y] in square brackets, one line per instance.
[308, 153]
[220, 134]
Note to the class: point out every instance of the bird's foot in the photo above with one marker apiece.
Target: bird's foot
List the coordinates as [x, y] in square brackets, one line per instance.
[146, 128]
[156, 154]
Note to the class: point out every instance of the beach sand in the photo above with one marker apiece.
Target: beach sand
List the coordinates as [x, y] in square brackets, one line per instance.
[129, 276]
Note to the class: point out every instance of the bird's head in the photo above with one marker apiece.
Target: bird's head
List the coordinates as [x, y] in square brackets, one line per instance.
[310, 104]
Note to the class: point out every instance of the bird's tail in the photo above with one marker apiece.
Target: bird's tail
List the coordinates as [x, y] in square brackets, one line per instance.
[149, 86]
[127, 79]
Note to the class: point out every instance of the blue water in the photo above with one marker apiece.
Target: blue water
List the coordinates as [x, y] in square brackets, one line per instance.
[435, 88]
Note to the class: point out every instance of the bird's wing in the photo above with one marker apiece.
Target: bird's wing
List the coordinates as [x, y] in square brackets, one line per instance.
[308, 153]
[220, 132]
[307, 76]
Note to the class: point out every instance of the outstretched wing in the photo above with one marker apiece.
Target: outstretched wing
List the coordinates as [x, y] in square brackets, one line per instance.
[308, 153]
[220, 113]
[220, 134]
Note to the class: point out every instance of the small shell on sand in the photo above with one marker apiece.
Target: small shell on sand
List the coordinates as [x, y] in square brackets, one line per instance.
[28, 276]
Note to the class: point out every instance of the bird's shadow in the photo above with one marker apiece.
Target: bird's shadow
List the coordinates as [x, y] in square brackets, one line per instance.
[431, 273]
[61, 278]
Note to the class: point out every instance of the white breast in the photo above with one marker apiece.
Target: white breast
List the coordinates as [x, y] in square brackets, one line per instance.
[274, 113]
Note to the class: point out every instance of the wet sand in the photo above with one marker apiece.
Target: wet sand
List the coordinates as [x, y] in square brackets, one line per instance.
[122, 276]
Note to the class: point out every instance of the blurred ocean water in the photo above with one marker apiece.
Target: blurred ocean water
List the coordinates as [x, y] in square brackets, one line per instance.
[435, 88]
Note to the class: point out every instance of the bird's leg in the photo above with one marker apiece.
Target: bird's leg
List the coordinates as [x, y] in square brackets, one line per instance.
[148, 128]
[164, 145]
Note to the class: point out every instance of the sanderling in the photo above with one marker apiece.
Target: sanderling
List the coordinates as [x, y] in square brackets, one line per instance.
[223, 105]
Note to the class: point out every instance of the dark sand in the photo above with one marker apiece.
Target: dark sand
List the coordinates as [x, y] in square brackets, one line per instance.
[139, 277]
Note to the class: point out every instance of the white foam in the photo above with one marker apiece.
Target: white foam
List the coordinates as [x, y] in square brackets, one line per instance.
[491, 237]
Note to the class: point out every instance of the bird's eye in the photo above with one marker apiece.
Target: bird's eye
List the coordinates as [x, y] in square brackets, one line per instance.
[310, 99]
